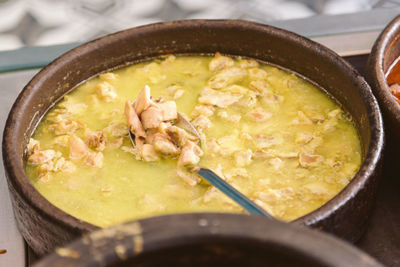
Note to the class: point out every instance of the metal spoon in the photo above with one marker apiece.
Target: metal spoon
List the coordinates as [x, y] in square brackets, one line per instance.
[251, 207]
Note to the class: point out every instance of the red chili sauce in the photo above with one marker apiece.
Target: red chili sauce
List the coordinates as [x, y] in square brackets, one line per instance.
[393, 79]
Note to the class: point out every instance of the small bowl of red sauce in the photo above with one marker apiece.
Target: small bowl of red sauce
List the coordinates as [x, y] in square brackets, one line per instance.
[383, 74]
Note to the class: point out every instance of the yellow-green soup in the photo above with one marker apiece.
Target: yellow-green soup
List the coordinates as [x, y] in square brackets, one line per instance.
[274, 136]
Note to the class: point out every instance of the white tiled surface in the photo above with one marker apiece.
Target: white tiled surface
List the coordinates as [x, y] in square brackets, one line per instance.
[48, 22]
[10, 239]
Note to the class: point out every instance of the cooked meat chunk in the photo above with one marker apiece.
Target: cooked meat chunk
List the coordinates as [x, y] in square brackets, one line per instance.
[62, 140]
[309, 160]
[134, 123]
[219, 62]
[106, 91]
[190, 154]
[236, 172]
[201, 123]
[334, 113]
[152, 117]
[256, 73]
[42, 156]
[116, 143]
[224, 115]
[168, 110]
[94, 159]
[212, 145]
[77, 148]
[226, 77]
[148, 153]
[188, 177]
[143, 101]
[164, 145]
[259, 115]
[33, 146]
[96, 140]
[65, 127]
[205, 110]
[304, 138]
[261, 86]
[243, 158]
[301, 118]
[220, 99]
[180, 136]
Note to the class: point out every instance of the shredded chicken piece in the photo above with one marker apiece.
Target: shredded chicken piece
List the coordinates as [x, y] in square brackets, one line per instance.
[201, 123]
[96, 140]
[243, 158]
[256, 73]
[62, 140]
[117, 130]
[334, 113]
[219, 62]
[65, 127]
[33, 146]
[213, 194]
[261, 86]
[236, 172]
[152, 117]
[180, 136]
[116, 143]
[190, 154]
[224, 115]
[148, 153]
[94, 159]
[259, 114]
[190, 178]
[106, 91]
[304, 138]
[168, 110]
[77, 148]
[134, 123]
[226, 76]
[301, 118]
[212, 145]
[317, 188]
[178, 94]
[220, 99]
[164, 145]
[309, 160]
[143, 101]
[205, 110]
[41, 156]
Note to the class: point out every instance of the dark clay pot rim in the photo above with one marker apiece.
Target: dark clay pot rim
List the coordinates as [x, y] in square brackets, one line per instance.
[15, 168]
[163, 232]
[376, 58]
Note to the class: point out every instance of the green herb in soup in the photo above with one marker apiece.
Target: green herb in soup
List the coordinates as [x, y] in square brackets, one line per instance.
[272, 135]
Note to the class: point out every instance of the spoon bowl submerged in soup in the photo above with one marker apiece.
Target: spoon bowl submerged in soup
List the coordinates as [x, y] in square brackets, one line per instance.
[274, 136]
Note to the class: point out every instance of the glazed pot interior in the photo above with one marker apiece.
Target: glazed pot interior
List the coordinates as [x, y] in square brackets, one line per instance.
[236, 38]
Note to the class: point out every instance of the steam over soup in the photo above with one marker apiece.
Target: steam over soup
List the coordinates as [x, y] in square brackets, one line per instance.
[271, 134]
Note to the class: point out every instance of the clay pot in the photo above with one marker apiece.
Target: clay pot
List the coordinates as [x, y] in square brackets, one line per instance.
[207, 240]
[383, 54]
[44, 226]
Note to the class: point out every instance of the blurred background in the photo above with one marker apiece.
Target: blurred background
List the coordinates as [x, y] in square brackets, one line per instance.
[50, 22]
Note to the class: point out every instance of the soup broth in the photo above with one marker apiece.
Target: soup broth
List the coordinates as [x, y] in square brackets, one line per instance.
[274, 136]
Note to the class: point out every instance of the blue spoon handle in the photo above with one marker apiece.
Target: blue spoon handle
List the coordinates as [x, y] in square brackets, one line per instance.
[231, 192]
